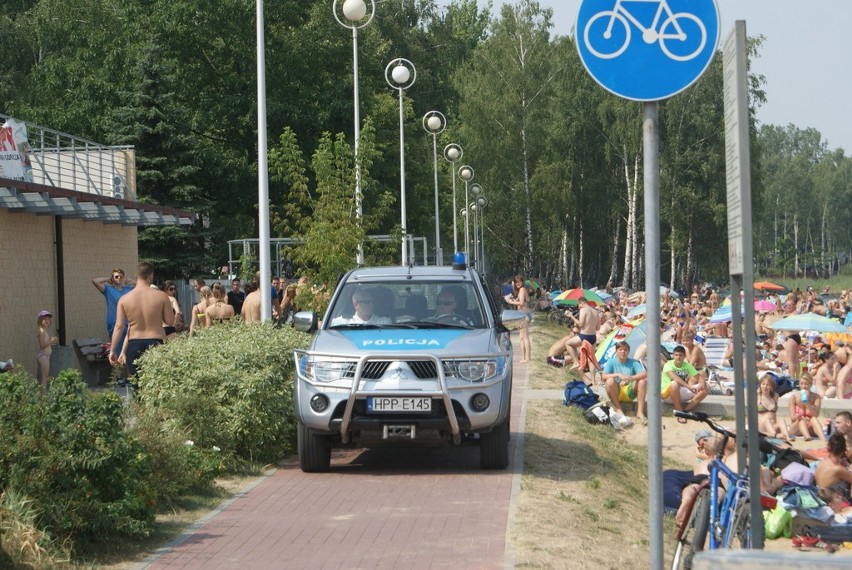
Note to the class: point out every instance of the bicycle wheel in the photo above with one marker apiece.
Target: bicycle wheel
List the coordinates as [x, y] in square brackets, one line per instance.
[739, 536]
[694, 536]
[609, 40]
[682, 36]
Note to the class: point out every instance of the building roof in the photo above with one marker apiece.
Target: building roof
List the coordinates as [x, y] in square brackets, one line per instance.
[34, 198]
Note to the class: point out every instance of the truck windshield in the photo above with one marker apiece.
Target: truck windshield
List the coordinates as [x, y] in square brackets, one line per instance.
[431, 303]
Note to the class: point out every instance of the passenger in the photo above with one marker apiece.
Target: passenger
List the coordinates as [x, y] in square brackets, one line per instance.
[450, 305]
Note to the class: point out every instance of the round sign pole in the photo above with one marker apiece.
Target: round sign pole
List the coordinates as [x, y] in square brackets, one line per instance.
[649, 51]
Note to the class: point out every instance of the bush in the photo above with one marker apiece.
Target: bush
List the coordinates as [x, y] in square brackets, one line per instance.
[67, 455]
[229, 386]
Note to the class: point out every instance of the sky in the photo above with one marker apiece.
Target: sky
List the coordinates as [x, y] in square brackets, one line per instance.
[806, 58]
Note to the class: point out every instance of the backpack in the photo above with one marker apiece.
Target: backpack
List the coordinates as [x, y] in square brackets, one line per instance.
[578, 393]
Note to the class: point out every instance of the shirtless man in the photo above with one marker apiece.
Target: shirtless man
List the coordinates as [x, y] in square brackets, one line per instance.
[843, 354]
[144, 310]
[695, 355]
[251, 307]
[588, 322]
[563, 354]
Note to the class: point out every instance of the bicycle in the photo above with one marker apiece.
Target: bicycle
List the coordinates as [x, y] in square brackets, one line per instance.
[727, 523]
[612, 43]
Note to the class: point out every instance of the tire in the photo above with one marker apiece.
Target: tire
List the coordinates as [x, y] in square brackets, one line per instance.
[740, 534]
[494, 447]
[607, 47]
[314, 450]
[695, 536]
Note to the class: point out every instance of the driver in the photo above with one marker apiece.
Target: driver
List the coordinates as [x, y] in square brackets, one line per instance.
[363, 303]
[451, 301]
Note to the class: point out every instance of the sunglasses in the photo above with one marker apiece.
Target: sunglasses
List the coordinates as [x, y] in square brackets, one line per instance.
[117, 276]
[171, 289]
[364, 302]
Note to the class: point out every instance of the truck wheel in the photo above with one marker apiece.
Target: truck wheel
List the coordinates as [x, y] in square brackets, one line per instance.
[494, 447]
[314, 450]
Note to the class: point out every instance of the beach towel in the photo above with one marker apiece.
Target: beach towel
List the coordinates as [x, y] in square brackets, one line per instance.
[587, 357]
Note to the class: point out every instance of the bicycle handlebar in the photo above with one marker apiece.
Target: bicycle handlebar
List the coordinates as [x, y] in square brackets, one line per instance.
[702, 417]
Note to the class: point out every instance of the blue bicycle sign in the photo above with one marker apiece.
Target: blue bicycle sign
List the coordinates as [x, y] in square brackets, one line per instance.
[647, 49]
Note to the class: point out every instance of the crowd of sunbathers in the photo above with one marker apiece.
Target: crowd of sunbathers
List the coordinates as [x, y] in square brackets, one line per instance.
[818, 368]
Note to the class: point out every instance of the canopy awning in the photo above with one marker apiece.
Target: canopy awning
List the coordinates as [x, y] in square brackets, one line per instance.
[29, 197]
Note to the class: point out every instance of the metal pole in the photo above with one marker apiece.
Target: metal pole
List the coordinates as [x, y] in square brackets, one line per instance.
[262, 174]
[439, 256]
[651, 143]
[402, 178]
[455, 214]
[359, 256]
[475, 231]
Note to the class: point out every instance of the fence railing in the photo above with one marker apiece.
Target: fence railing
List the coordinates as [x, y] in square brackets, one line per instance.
[73, 163]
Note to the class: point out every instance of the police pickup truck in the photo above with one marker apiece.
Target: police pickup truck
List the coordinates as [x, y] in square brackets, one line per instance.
[406, 356]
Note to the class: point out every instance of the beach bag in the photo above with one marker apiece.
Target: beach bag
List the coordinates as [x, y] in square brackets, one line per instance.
[578, 393]
[778, 522]
[597, 414]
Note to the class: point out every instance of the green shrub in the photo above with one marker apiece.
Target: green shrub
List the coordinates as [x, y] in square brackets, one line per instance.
[229, 386]
[68, 454]
[178, 467]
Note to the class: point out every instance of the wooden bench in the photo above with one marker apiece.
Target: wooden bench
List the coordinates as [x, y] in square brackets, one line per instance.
[94, 361]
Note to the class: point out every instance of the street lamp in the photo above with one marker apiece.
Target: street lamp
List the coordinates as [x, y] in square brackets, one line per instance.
[355, 13]
[435, 122]
[401, 74]
[453, 153]
[481, 202]
[466, 174]
[475, 190]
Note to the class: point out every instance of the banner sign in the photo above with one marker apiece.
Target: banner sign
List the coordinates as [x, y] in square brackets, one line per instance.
[14, 152]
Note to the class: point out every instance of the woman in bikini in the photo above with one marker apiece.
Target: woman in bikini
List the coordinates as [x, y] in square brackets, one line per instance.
[825, 378]
[844, 374]
[199, 310]
[767, 409]
[520, 298]
[804, 411]
[219, 311]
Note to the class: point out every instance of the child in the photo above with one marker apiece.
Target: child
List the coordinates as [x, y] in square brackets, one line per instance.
[804, 411]
[45, 341]
[767, 408]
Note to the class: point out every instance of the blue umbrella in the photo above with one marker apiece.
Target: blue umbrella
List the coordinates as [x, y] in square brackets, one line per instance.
[808, 322]
[637, 311]
[848, 321]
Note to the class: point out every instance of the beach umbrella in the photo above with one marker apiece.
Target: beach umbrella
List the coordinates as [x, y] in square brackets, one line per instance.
[633, 333]
[763, 306]
[571, 296]
[554, 294]
[637, 311]
[808, 322]
[848, 321]
[769, 286]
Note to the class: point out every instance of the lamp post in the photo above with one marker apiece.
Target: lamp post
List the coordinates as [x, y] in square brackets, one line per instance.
[475, 190]
[355, 13]
[481, 202]
[466, 174]
[401, 74]
[453, 153]
[262, 171]
[435, 122]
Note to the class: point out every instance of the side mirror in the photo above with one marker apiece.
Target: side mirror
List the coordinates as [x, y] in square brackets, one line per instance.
[513, 320]
[305, 321]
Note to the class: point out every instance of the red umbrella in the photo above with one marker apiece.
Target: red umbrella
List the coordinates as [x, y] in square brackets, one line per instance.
[768, 286]
[571, 296]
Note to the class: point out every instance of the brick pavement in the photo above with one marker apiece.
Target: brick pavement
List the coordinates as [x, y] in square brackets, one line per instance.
[390, 508]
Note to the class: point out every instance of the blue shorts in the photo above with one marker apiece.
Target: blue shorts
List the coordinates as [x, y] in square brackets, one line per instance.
[135, 348]
[591, 338]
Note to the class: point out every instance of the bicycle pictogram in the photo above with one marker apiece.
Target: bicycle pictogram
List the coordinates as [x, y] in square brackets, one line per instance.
[682, 36]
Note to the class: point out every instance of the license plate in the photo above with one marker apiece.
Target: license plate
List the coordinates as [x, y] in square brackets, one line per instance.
[396, 404]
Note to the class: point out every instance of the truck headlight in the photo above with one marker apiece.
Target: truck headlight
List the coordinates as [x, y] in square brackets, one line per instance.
[326, 371]
[472, 370]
